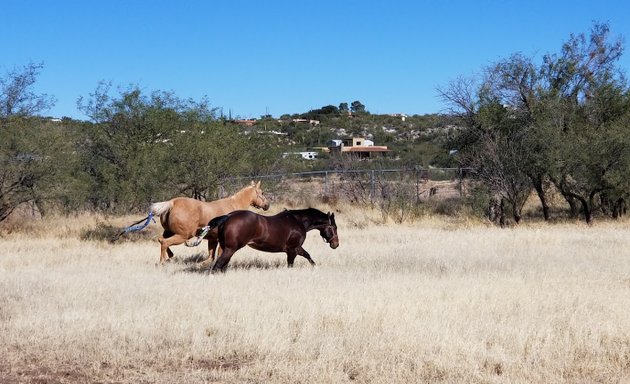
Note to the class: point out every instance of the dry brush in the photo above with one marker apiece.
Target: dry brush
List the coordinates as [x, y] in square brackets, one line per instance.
[435, 301]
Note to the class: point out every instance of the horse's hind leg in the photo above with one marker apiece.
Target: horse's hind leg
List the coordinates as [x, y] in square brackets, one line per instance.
[302, 252]
[223, 260]
[218, 251]
[165, 243]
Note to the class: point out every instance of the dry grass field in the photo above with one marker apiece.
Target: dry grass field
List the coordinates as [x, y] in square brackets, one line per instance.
[435, 301]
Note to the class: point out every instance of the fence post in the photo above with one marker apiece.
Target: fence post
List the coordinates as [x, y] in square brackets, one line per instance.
[326, 183]
[417, 174]
[372, 192]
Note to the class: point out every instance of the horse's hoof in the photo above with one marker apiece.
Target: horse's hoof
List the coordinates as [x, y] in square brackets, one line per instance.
[201, 266]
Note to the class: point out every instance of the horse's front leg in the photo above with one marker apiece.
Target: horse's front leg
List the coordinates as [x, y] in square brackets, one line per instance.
[302, 252]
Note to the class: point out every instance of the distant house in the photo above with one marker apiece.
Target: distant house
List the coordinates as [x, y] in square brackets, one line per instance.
[311, 122]
[306, 155]
[277, 133]
[402, 116]
[246, 122]
[357, 146]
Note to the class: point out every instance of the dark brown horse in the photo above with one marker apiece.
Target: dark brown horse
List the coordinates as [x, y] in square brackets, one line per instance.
[284, 232]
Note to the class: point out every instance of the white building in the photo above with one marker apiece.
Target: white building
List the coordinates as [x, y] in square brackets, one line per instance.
[306, 155]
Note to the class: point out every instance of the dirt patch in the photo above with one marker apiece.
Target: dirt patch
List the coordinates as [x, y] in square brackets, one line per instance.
[108, 373]
[42, 375]
[219, 364]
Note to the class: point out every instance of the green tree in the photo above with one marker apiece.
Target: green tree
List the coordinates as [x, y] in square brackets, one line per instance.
[493, 143]
[17, 96]
[585, 99]
[29, 146]
[25, 147]
[208, 153]
[357, 107]
[553, 123]
[142, 148]
[127, 147]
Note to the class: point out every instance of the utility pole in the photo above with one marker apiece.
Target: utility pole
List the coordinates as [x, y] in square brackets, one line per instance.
[266, 114]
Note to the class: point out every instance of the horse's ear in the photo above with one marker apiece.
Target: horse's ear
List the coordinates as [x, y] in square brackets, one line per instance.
[253, 184]
[258, 185]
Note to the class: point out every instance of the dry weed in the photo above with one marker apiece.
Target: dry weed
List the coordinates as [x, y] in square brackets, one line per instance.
[436, 301]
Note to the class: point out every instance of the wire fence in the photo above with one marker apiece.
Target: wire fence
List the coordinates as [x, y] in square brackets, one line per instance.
[361, 186]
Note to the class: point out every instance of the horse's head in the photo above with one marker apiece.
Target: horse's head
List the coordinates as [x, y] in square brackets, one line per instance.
[329, 232]
[258, 199]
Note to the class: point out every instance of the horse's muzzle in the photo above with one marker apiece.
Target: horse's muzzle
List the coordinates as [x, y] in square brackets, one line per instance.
[334, 243]
[264, 207]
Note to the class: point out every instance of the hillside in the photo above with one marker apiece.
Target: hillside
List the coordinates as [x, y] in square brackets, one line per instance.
[417, 140]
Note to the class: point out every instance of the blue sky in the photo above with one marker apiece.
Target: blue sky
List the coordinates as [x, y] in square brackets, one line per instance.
[251, 57]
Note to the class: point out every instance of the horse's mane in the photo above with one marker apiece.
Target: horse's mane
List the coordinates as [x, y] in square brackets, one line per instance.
[243, 190]
[312, 213]
[308, 210]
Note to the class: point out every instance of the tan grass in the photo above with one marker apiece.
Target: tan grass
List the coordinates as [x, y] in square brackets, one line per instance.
[436, 301]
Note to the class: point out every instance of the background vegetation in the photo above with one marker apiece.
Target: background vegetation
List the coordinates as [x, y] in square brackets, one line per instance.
[555, 127]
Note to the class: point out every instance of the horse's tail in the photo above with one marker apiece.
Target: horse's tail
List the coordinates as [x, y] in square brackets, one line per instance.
[217, 221]
[135, 226]
[158, 209]
[212, 224]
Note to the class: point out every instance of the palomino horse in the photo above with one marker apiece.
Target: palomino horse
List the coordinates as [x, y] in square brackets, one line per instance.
[182, 217]
[284, 232]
